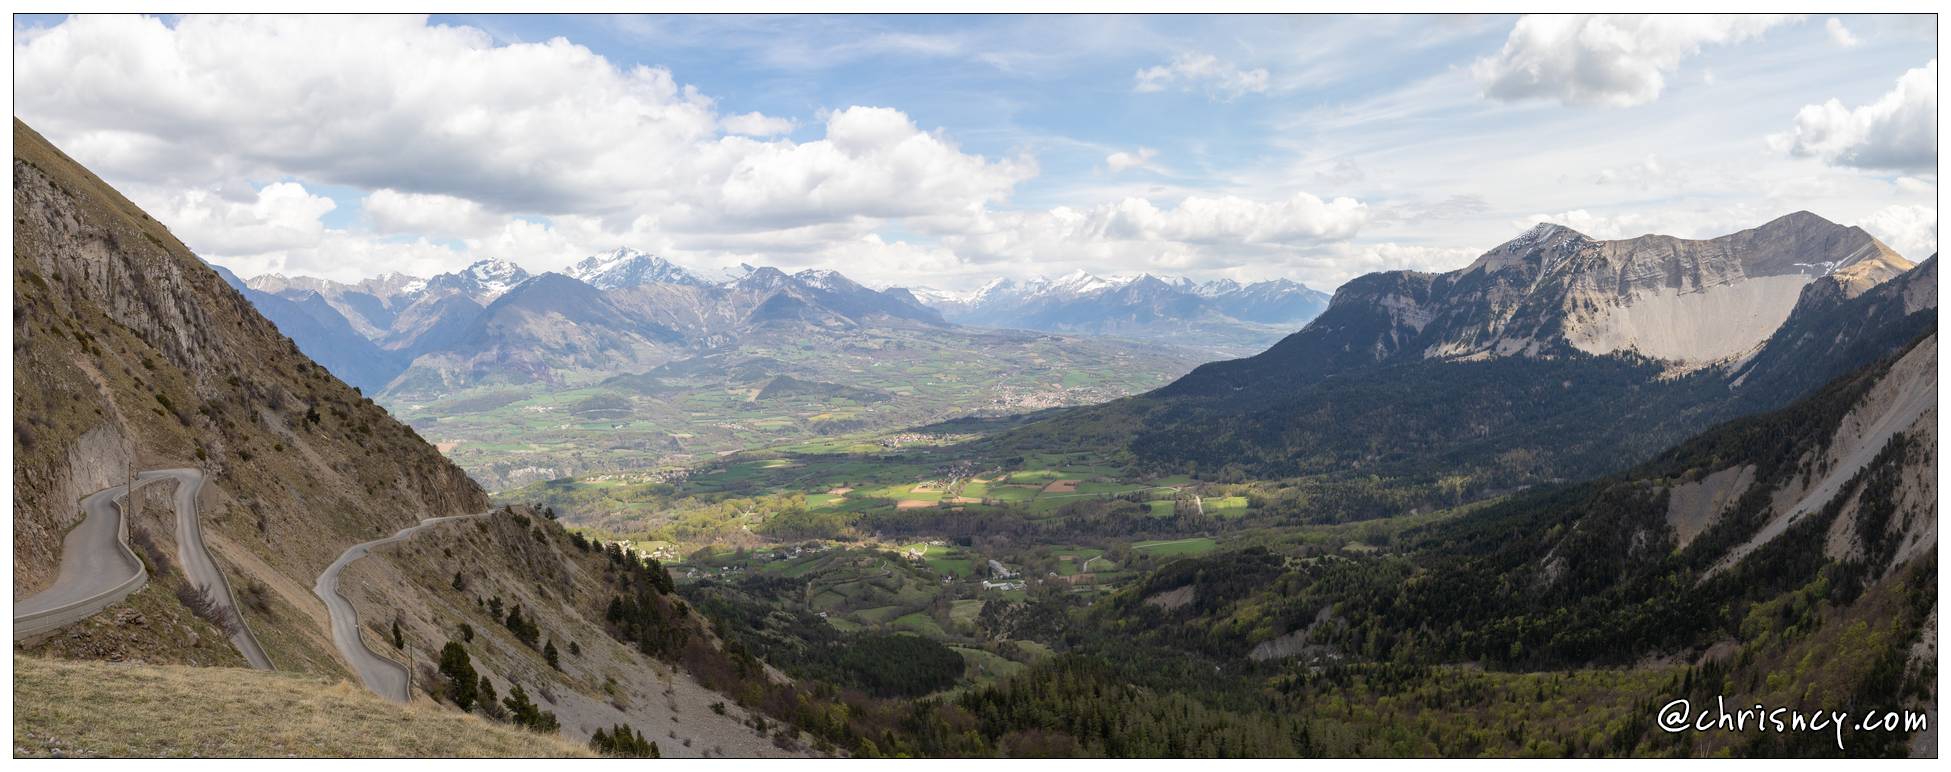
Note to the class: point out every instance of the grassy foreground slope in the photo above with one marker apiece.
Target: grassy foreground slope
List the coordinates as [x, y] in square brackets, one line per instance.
[93, 709]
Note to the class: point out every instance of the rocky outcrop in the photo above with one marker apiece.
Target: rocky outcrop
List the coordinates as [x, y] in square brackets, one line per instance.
[124, 339]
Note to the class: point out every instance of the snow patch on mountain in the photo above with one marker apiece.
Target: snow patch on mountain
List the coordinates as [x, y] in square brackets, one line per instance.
[625, 267]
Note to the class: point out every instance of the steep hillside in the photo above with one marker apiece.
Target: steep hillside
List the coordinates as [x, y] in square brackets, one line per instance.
[460, 581]
[129, 350]
[76, 709]
[1786, 558]
[131, 353]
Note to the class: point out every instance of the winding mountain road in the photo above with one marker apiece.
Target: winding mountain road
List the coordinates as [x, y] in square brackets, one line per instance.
[386, 677]
[198, 565]
[98, 569]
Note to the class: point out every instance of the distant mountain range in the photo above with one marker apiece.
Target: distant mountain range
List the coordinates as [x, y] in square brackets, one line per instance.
[624, 310]
[1221, 315]
[633, 310]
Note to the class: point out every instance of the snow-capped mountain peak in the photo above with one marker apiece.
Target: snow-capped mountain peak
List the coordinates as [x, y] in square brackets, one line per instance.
[482, 281]
[822, 279]
[1216, 287]
[1079, 282]
[625, 267]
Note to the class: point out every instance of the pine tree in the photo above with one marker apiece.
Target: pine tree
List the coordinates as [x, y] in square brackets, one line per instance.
[549, 655]
[460, 582]
[399, 641]
[461, 681]
[489, 706]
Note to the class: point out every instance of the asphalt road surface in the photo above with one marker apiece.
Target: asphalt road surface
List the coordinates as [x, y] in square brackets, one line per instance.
[384, 675]
[197, 563]
[97, 569]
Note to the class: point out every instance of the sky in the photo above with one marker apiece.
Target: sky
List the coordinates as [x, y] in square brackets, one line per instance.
[944, 151]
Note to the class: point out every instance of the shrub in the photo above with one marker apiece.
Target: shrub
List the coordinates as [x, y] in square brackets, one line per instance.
[205, 606]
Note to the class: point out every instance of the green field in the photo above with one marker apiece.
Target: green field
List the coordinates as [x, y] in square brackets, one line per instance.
[1226, 506]
[1176, 547]
[963, 612]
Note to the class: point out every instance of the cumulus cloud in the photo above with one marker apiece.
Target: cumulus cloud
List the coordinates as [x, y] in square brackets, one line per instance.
[540, 128]
[1191, 71]
[278, 216]
[1121, 160]
[1898, 131]
[1597, 226]
[755, 124]
[1839, 33]
[464, 148]
[1909, 229]
[874, 162]
[457, 135]
[1199, 233]
[1611, 60]
[394, 212]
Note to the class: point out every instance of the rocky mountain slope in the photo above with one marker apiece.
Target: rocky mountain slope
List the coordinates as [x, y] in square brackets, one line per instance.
[1553, 291]
[130, 349]
[1485, 371]
[1224, 315]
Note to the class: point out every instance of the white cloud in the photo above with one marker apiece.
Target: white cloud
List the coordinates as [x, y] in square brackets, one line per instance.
[1200, 233]
[394, 212]
[542, 128]
[278, 216]
[874, 162]
[1909, 229]
[1597, 226]
[1611, 60]
[1909, 184]
[1189, 71]
[1839, 33]
[458, 136]
[1121, 160]
[756, 124]
[1898, 131]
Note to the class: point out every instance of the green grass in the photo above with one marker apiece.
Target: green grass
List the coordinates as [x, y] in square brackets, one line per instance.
[965, 611]
[1162, 507]
[985, 667]
[1177, 547]
[877, 615]
[957, 567]
[1226, 506]
[921, 623]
